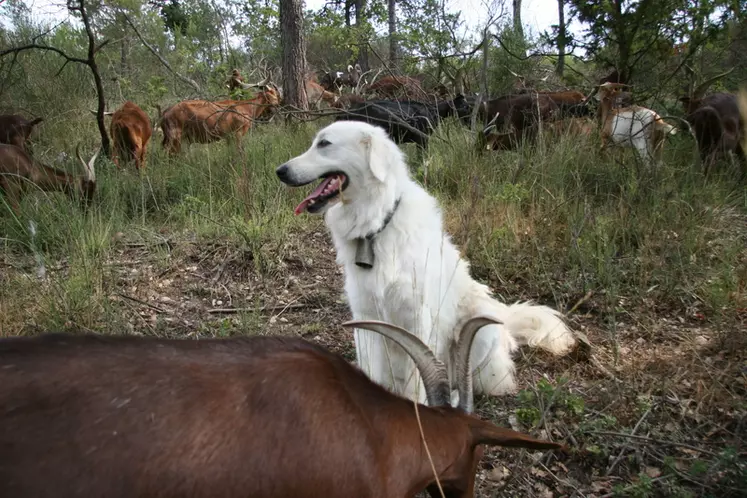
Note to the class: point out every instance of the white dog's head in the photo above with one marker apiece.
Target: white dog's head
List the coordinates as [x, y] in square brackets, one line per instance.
[348, 156]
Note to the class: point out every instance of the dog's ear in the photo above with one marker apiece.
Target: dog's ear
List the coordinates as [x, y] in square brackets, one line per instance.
[378, 156]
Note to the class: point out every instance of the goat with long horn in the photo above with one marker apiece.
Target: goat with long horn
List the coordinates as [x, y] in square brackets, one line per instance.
[276, 417]
[18, 171]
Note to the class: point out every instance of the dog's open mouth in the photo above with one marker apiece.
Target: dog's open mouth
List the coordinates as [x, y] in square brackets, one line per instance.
[330, 188]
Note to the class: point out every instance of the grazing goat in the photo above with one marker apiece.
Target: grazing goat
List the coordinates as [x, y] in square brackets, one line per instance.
[566, 100]
[418, 116]
[235, 81]
[718, 127]
[270, 417]
[392, 87]
[316, 94]
[635, 126]
[18, 171]
[15, 129]
[348, 100]
[334, 81]
[202, 121]
[515, 118]
[130, 130]
[571, 127]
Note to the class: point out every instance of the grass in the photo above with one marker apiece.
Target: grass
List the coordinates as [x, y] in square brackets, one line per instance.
[652, 263]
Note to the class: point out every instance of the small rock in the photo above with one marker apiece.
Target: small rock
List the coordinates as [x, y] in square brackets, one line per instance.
[497, 474]
[283, 319]
[652, 472]
[640, 341]
[701, 340]
[513, 421]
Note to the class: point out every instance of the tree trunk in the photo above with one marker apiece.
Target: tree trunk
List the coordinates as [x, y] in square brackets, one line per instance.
[484, 82]
[360, 24]
[623, 44]
[91, 63]
[517, 19]
[392, 32]
[294, 53]
[124, 47]
[561, 38]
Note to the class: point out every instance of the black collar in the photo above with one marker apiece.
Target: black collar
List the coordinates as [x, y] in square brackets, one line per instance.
[364, 253]
[387, 219]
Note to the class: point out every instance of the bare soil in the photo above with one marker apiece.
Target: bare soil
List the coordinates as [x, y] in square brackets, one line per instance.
[654, 403]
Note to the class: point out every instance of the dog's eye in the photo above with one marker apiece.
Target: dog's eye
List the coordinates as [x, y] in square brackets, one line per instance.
[323, 143]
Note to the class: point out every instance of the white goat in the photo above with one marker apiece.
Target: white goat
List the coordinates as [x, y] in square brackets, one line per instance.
[636, 127]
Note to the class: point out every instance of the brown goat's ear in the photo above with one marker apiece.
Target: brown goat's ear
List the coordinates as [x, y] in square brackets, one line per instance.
[487, 433]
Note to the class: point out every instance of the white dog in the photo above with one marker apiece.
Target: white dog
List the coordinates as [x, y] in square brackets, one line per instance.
[415, 277]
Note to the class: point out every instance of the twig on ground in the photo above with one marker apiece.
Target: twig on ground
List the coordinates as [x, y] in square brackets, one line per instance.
[136, 300]
[269, 307]
[627, 447]
[653, 440]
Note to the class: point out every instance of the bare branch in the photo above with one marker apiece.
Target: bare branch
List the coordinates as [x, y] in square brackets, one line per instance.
[163, 61]
[32, 46]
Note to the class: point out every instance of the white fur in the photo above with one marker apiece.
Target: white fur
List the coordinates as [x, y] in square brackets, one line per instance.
[636, 127]
[418, 281]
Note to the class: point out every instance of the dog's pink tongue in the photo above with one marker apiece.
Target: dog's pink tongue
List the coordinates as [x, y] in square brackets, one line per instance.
[316, 193]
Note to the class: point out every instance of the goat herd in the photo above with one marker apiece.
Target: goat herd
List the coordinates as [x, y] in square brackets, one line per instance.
[401, 106]
[279, 417]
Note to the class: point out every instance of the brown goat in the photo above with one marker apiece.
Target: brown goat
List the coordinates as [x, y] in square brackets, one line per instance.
[270, 417]
[235, 81]
[515, 118]
[15, 129]
[571, 126]
[718, 126]
[316, 94]
[130, 130]
[202, 121]
[348, 99]
[390, 87]
[18, 171]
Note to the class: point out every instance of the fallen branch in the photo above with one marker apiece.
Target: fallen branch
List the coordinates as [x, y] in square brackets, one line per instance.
[626, 447]
[273, 307]
[139, 301]
[652, 440]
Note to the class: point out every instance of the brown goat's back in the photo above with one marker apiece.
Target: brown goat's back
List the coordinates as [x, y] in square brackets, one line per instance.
[122, 417]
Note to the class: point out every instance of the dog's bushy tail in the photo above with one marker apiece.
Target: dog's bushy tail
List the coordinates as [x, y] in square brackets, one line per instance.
[523, 323]
[536, 325]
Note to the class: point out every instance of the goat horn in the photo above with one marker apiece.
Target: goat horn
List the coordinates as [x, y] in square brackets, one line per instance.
[259, 84]
[493, 121]
[463, 368]
[88, 167]
[701, 89]
[433, 371]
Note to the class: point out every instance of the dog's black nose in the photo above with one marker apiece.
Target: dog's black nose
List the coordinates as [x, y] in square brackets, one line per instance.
[282, 172]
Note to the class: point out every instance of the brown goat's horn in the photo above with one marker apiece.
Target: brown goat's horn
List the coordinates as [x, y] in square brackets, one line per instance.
[433, 371]
[90, 172]
[259, 84]
[491, 125]
[106, 113]
[701, 89]
[463, 368]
